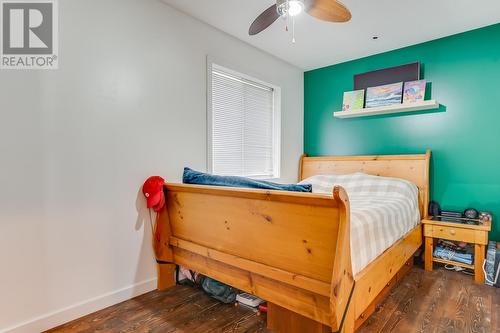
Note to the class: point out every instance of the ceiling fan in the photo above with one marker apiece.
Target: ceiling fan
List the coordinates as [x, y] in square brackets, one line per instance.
[325, 10]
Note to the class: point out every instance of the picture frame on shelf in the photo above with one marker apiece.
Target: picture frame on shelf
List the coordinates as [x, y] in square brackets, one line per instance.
[385, 95]
[414, 91]
[353, 100]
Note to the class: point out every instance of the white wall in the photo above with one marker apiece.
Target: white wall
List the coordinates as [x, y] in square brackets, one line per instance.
[128, 101]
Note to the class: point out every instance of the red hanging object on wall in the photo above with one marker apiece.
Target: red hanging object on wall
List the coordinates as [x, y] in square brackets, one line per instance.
[153, 191]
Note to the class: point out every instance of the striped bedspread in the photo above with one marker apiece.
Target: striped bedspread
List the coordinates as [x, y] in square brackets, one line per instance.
[383, 210]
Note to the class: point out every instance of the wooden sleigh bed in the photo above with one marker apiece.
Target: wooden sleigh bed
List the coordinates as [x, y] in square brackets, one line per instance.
[291, 249]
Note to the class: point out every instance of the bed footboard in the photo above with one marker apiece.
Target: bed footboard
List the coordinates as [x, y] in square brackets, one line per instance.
[289, 248]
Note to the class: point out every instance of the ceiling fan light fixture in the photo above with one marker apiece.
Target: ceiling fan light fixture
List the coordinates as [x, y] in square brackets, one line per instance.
[295, 7]
[289, 7]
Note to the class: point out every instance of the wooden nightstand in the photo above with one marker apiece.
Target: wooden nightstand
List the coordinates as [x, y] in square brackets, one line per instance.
[473, 234]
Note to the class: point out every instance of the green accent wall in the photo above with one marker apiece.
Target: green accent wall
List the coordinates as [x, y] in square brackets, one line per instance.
[463, 134]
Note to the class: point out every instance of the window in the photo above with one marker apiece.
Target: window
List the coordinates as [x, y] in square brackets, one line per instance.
[243, 125]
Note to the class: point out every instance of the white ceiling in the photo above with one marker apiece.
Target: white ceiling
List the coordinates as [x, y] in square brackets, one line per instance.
[398, 23]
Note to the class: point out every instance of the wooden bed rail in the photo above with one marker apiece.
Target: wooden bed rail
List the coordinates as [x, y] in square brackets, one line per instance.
[290, 248]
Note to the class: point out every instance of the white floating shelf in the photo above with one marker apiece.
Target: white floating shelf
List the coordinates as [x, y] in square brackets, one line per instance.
[396, 108]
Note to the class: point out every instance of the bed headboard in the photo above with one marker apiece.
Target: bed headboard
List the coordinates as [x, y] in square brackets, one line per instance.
[414, 168]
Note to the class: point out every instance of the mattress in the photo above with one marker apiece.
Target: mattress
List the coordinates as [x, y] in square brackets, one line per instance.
[383, 210]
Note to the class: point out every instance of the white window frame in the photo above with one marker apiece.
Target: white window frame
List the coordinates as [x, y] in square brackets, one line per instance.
[216, 64]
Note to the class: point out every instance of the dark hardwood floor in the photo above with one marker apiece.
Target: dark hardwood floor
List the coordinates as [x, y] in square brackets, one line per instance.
[437, 302]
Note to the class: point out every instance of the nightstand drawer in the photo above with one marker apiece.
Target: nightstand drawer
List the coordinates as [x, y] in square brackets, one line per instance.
[456, 234]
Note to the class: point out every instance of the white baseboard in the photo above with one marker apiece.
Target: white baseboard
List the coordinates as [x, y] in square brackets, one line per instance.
[64, 315]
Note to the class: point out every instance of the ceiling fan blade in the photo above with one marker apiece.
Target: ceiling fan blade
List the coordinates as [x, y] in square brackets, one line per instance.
[328, 10]
[264, 20]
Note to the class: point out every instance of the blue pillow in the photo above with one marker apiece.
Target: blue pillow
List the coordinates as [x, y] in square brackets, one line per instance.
[200, 178]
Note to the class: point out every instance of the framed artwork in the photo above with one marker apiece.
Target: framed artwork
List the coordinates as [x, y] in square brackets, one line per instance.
[353, 100]
[414, 91]
[388, 94]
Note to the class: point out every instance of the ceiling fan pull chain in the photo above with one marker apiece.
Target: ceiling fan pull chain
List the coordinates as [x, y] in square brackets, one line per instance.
[287, 21]
[293, 29]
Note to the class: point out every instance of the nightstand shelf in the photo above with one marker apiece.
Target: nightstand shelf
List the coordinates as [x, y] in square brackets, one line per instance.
[451, 262]
[459, 232]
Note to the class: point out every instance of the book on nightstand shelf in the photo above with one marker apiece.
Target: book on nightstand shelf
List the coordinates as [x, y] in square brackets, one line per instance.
[452, 251]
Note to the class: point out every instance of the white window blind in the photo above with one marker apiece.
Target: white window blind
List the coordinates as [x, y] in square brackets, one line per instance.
[244, 126]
